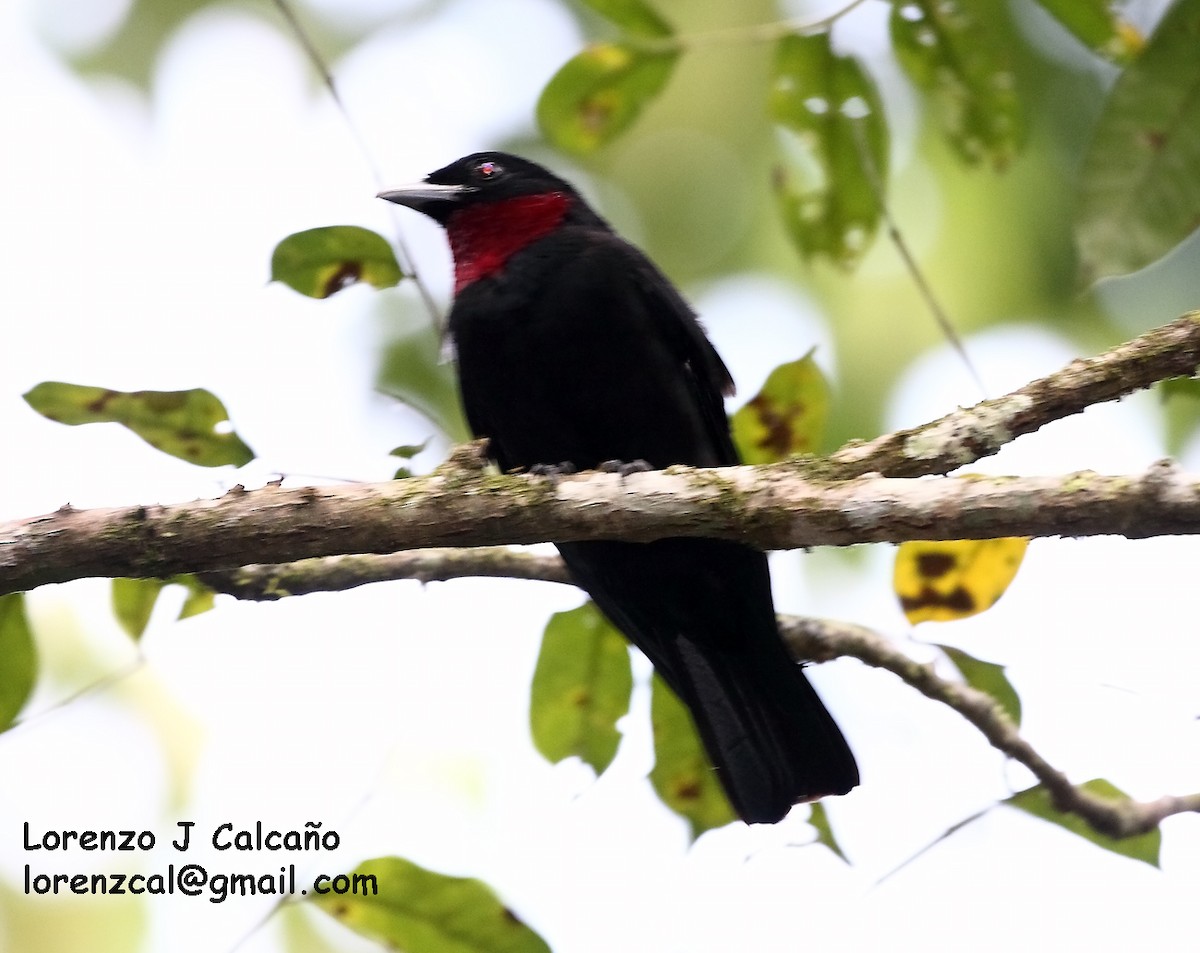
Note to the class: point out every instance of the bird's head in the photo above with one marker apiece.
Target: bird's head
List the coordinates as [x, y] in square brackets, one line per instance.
[493, 205]
[483, 178]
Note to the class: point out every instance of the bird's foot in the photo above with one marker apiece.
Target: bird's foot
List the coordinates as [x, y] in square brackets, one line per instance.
[553, 471]
[623, 468]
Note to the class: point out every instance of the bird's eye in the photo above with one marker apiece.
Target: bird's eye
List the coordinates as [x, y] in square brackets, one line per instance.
[488, 170]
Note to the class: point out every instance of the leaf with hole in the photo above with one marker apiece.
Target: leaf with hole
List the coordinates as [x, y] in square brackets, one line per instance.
[948, 51]
[1099, 26]
[835, 144]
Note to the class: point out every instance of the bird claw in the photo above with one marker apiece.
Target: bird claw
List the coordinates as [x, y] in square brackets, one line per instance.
[624, 468]
[553, 471]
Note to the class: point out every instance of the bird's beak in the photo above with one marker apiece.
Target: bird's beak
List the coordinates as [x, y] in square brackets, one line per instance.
[426, 197]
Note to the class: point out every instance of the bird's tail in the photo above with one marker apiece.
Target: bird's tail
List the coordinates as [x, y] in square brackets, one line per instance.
[768, 734]
[701, 610]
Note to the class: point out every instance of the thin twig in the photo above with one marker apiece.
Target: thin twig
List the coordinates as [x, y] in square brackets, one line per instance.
[406, 260]
[910, 263]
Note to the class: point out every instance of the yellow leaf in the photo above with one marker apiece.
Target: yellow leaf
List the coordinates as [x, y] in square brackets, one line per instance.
[939, 581]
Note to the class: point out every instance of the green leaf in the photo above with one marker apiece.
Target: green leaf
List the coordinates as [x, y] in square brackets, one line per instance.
[948, 52]
[322, 261]
[1098, 26]
[133, 602]
[190, 424]
[682, 775]
[1139, 188]
[419, 911]
[18, 658]
[200, 598]
[406, 452]
[1036, 801]
[786, 417]
[818, 817]
[833, 119]
[598, 93]
[987, 677]
[632, 15]
[580, 688]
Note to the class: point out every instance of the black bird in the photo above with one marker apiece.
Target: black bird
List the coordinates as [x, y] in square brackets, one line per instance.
[573, 348]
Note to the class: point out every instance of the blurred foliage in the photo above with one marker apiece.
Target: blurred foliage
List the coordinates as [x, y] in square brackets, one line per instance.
[18, 658]
[1139, 188]
[1099, 26]
[598, 94]
[420, 911]
[818, 817]
[948, 48]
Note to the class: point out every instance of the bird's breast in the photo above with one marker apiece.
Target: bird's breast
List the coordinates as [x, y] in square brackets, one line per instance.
[484, 237]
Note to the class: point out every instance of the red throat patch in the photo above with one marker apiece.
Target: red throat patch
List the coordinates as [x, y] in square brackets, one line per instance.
[483, 237]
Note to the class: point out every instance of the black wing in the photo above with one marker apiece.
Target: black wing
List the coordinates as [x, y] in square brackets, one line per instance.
[583, 352]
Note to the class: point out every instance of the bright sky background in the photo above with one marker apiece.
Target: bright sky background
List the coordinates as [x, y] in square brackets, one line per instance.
[136, 239]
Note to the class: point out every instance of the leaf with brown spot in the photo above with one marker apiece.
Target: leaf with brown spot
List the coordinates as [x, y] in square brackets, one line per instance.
[682, 775]
[190, 424]
[421, 911]
[581, 687]
[320, 262]
[786, 417]
[597, 94]
[939, 581]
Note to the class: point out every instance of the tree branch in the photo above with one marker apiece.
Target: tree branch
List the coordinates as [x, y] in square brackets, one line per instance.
[265, 582]
[807, 639]
[822, 640]
[970, 433]
[771, 507]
